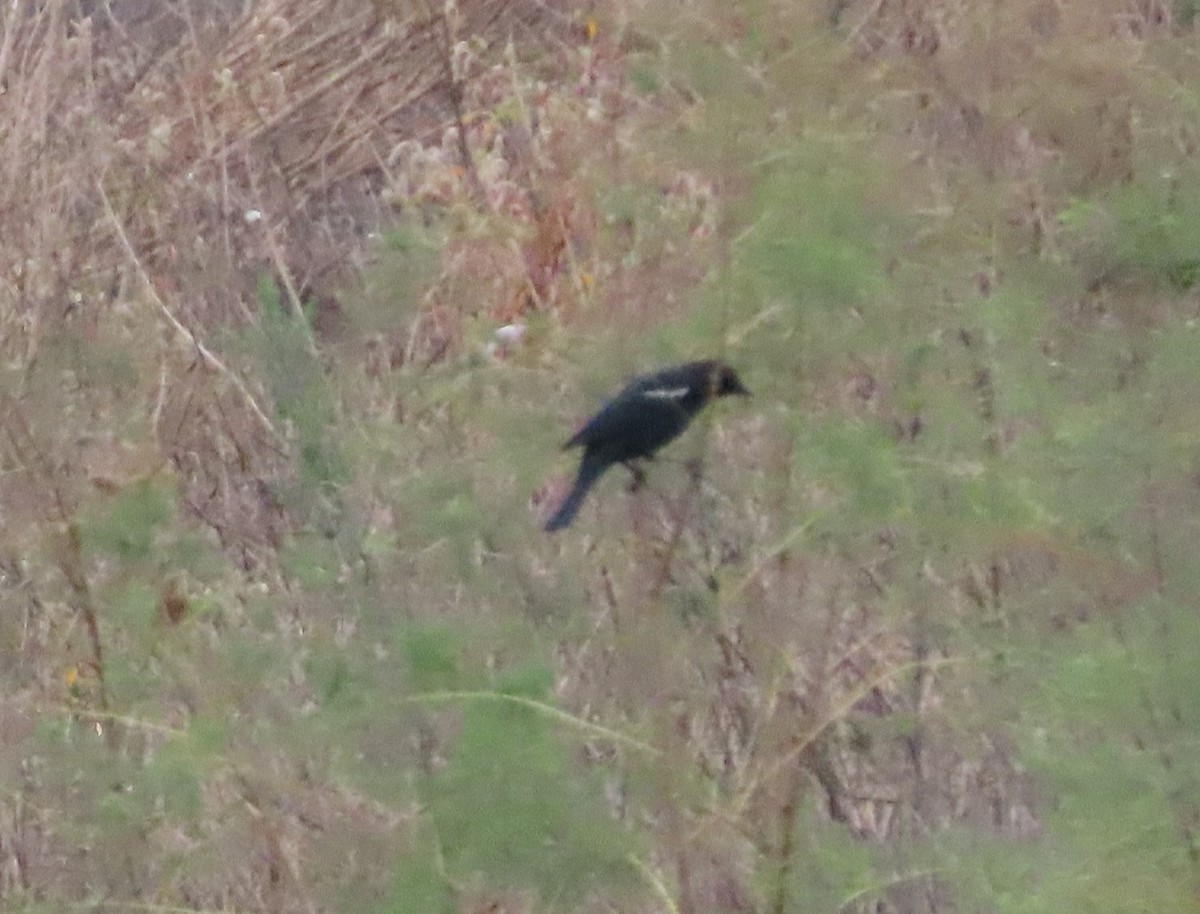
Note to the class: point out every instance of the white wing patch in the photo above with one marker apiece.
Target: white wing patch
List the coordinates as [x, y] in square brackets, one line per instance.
[667, 393]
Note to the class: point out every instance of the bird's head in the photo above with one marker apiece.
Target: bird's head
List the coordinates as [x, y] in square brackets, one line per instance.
[724, 381]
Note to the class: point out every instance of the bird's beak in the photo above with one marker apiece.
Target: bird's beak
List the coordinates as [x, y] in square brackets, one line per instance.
[741, 390]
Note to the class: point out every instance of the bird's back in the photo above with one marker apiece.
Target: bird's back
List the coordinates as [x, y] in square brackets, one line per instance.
[651, 411]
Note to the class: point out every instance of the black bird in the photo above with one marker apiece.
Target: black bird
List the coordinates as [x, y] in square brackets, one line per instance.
[652, 410]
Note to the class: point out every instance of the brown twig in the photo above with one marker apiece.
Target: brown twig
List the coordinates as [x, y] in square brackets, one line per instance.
[454, 91]
[209, 358]
[70, 556]
[695, 475]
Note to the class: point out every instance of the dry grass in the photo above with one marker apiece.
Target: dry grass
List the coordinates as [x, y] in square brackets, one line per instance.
[156, 164]
[154, 169]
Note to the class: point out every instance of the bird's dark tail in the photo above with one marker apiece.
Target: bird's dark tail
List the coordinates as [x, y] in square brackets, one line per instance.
[590, 470]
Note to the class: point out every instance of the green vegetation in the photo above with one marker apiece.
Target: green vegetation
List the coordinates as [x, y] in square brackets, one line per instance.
[280, 630]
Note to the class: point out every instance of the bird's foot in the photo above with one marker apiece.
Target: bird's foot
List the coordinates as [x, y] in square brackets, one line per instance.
[637, 476]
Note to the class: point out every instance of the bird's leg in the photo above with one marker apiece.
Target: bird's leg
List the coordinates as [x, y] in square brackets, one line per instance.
[637, 474]
[695, 469]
